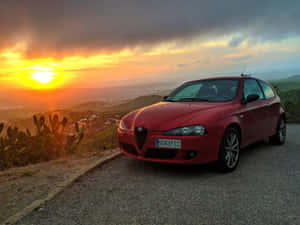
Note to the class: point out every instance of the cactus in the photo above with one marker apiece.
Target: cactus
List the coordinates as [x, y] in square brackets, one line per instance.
[1, 127]
[64, 122]
[74, 140]
[54, 123]
[56, 136]
[28, 132]
[37, 124]
[18, 148]
[80, 133]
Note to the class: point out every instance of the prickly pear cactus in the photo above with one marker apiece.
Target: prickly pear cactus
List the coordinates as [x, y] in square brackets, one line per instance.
[19, 148]
[74, 140]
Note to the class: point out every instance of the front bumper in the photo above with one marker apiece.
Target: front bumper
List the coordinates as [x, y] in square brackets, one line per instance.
[194, 150]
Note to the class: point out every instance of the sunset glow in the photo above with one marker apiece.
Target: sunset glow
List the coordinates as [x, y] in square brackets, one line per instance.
[170, 59]
[136, 43]
[42, 77]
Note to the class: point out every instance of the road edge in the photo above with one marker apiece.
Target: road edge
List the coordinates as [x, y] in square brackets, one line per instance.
[59, 188]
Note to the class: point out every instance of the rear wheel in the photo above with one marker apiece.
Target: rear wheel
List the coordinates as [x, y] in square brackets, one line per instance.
[229, 153]
[280, 136]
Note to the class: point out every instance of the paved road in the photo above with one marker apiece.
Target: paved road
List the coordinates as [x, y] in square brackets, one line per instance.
[265, 189]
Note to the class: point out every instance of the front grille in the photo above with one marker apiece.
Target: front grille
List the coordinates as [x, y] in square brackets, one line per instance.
[140, 134]
[155, 153]
[129, 149]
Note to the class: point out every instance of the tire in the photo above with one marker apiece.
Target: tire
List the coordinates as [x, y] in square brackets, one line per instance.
[229, 154]
[280, 136]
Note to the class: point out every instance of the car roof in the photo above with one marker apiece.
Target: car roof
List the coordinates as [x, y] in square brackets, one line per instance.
[226, 78]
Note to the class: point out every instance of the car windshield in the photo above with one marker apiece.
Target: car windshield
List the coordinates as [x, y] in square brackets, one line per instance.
[218, 90]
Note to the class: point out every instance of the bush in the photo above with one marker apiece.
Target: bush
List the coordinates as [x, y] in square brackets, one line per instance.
[19, 148]
[105, 139]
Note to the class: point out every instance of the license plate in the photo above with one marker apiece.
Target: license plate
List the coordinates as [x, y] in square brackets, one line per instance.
[168, 143]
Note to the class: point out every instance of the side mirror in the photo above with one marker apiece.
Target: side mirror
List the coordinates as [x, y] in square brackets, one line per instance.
[252, 98]
[165, 97]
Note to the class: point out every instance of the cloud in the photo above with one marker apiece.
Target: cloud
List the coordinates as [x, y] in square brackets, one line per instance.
[236, 41]
[181, 65]
[241, 57]
[196, 62]
[60, 27]
[83, 69]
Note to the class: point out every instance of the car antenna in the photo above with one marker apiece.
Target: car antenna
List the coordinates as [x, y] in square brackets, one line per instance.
[244, 74]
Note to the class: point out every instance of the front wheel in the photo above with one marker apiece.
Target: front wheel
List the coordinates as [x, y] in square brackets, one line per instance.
[229, 153]
[280, 136]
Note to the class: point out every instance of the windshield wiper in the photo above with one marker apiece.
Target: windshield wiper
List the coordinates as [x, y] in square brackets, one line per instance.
[168, 100]
[193, 100]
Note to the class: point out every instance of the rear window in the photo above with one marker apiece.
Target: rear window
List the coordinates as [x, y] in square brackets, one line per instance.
[268, 91]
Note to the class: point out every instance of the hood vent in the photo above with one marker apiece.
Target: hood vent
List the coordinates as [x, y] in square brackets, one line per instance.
[140, 134]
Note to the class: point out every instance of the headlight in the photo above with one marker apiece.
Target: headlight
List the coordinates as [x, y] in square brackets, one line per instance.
[195, 130]
[122, 126]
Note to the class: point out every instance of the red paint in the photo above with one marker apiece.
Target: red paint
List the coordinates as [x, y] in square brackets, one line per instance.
[258, 121]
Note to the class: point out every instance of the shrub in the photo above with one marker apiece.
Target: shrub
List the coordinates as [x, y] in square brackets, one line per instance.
[105, 139]
[19, 148]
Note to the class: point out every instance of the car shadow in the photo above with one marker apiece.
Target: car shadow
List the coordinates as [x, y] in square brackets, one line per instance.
[171, 170]
[189, 171]
[255, 149]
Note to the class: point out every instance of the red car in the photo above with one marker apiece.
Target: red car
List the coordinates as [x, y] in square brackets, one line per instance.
[203, 121]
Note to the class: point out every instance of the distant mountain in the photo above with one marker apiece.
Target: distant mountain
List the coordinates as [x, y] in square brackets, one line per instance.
[137, 103]
[44, 100]
[294, 77]
[287, 84]
[92, 105]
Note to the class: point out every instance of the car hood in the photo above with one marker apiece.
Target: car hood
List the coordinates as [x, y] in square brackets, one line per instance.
[168, 115]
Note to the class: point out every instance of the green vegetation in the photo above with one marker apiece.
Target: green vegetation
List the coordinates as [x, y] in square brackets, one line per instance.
[92, 105]
[291, 103]
[11, 114]
[134, 104]
[20, 148]
[105, 139]
[289, 91]
[287, 84]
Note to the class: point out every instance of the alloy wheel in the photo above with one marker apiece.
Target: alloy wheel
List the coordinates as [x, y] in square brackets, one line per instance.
[282, 130]
[232, 149]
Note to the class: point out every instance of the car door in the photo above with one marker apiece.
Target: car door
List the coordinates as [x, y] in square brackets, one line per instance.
[272, 108]
[253, 116]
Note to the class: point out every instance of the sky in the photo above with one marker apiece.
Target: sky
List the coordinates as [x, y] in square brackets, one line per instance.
[95, 43]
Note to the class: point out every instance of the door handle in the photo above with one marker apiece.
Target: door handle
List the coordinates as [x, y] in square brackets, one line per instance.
[268, 104]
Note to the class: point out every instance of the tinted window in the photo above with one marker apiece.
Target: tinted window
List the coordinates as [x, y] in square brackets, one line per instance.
[218, 90]
[251, 87]
[189, 91]
[268, 91]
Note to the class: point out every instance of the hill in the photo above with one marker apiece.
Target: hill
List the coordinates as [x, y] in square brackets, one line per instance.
[290, 100]
[62, 98]
[294, 77]
[290, 83]
[136, 103]
[92, 105]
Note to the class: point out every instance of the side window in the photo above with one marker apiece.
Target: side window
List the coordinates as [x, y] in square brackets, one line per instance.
[251, 87]
[268, 91]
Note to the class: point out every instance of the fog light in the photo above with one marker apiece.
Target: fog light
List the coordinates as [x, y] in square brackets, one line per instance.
[190, 155]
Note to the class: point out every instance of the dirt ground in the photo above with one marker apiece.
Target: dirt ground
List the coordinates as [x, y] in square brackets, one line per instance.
[19, 187]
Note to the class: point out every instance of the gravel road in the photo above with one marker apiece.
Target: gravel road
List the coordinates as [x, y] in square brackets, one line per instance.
[265, 189]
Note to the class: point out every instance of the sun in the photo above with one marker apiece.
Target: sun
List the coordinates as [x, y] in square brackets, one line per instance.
[43, 77]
